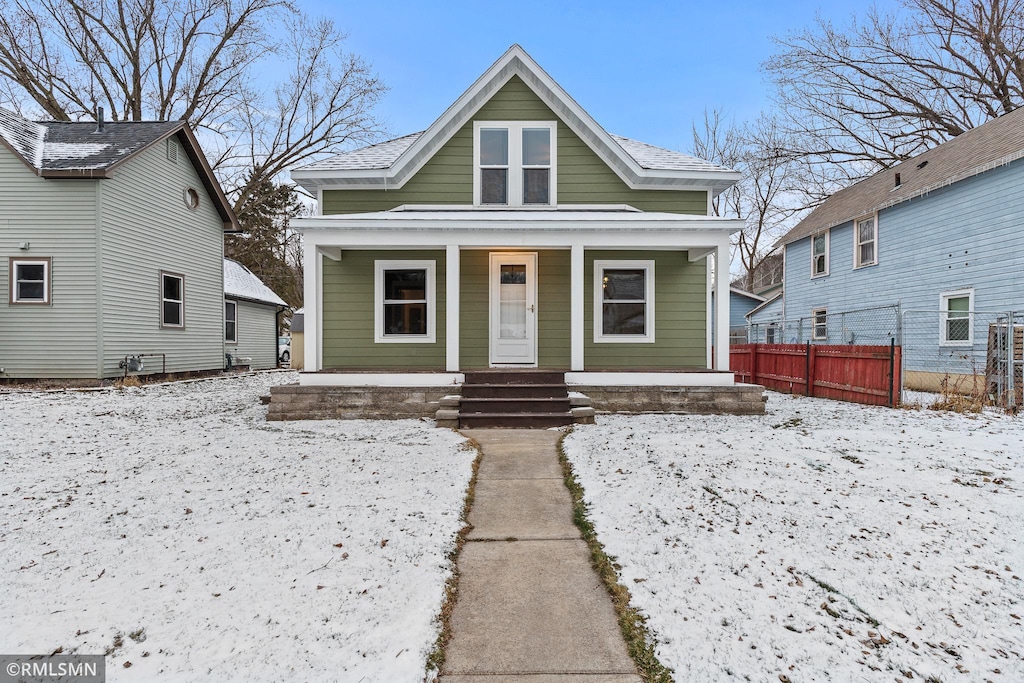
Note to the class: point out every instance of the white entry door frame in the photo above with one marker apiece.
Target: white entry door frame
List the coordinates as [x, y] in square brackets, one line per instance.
[513, 309]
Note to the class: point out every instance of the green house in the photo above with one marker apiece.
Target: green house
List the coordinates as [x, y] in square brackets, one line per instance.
[514, 233]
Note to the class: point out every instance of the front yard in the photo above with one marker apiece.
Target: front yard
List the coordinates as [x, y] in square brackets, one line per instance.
[823, 541]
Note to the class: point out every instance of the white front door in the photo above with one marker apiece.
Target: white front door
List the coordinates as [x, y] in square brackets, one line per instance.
[513, 309]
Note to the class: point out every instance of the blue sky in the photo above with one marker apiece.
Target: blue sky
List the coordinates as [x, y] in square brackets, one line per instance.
[642, 69]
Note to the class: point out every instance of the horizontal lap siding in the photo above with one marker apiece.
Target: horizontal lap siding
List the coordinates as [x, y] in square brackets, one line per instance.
[148, 228]
[473, 301]
[256, 336]
[58, 219]
[583, 178]
[680, 314]
[348, 301]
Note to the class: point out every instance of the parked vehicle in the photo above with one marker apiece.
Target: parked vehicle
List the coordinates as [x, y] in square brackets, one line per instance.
[284, 350]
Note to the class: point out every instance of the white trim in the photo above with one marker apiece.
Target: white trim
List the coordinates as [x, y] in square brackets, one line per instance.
[18, 261]
[380, 379]
[312, 293]
[165, 300]
[650, 379]
[722, 303]
[944, 317]
[526, 207]
[577, 265]
[515, 165]
[452, 271]
[814, 323]
[380, 336]
[709, 310]
[600, 337]
[857, 243]
[827, 254]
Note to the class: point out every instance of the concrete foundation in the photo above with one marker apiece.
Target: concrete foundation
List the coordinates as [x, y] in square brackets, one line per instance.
[294, 402]
[738, 399]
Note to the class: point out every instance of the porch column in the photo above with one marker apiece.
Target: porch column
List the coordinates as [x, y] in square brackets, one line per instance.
[310, 294]
[452, 289]
[722, 306]
[576, 308]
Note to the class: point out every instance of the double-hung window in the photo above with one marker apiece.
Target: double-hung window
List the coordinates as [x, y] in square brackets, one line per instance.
[172, 300]
[404, 301]
[231, 322]
[957, 313]
[865, 242]
[819, 254]
[819, 322]
[514, 163]
[30, 280]
[624, 301]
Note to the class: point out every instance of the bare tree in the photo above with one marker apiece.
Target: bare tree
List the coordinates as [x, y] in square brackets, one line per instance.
[266, 87]
[767, 197]
[866, 96]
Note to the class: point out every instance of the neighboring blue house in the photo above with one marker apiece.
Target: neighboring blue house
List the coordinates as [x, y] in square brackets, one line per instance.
[939, 239]
[740, 304]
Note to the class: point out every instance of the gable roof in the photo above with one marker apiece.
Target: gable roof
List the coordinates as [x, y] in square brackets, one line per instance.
[242, 283]
[61, 149]
[990, 145]
[774, 297]
[391, 164]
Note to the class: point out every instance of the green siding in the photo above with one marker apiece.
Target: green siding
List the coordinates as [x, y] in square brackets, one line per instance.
[348, 302]
[680, 305]
[447, 178]
[553, 335]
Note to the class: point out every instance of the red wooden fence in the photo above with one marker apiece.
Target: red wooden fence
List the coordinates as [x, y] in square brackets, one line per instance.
[859, 374]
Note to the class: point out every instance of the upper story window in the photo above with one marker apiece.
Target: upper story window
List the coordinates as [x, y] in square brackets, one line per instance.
[30, 280]
[514, 163]
[819, 254]
[865, 242]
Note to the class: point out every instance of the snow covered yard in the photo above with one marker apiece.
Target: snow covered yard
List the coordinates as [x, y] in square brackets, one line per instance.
[174, 528]
[821, 542]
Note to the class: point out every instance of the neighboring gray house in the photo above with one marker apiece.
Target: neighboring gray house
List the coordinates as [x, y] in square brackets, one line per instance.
[251, 318]
[939, 239]
[111, 245]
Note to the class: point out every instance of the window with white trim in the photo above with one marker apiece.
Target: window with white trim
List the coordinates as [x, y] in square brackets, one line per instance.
[514, 163]
[231, 322]
[30, 280]
[405, 301]
[172, 300]
[819, 254]
[819, 322]
[865, 242]
[624, 301]
[957, 318]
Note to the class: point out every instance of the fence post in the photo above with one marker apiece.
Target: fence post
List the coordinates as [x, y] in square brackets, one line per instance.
[753, 363]
[809, 374]
[892, 370]
[1011, 360]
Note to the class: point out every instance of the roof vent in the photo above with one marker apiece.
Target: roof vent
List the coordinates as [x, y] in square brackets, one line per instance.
[99, 119]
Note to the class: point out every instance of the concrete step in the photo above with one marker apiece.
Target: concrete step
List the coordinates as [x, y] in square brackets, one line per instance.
[490, 390]
[515, 420]
[514, 405]
[525, 376]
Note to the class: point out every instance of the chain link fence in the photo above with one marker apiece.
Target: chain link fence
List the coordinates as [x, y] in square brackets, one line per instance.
[963, 352]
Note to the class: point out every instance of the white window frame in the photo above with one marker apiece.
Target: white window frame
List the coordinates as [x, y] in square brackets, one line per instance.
[944, 317]
[515, 161]
[815, 312]
[234, 320]
[599, 336]
[378, 302]
[857, 243]
[814, 260]
[164, 300]
[15, 264]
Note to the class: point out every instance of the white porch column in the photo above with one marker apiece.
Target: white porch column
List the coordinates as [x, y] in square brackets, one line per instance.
[722, 306]
[576, 308]
[709, 310]
[310, 294]
[452, 266]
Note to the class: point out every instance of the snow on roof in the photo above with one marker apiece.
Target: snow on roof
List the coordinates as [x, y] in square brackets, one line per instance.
[26, 137]
[651, 157]
[241, 283]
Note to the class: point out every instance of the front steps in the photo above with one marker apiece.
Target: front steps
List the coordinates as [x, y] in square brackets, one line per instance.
[514, 399]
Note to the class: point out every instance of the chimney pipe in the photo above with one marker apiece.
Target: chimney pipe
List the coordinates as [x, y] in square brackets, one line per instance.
[898, 180]
[99, 119]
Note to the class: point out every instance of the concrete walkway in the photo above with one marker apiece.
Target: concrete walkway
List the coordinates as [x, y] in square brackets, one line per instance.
[530, 607]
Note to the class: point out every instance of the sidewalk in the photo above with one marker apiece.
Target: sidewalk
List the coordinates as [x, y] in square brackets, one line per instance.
[529, 603]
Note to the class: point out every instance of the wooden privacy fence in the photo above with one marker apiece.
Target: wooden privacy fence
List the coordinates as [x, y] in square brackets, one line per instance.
[858, 374]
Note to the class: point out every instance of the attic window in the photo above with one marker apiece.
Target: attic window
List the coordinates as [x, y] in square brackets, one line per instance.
[172, 151]
[514, 163]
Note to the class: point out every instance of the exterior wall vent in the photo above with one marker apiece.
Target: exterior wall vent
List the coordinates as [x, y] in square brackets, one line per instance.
[172, 151]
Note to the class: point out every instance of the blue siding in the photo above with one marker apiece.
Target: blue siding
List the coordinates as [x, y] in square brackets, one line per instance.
[966, 235]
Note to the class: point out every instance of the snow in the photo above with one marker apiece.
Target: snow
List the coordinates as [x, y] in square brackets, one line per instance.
[58, 151]
[241, 282]
[765, 548]
[174, 528]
